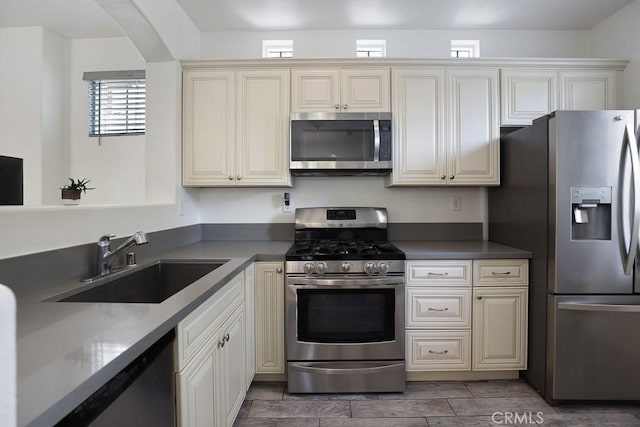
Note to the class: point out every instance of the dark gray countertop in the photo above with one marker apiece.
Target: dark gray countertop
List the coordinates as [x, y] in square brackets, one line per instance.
[66, 351]
[435, 249]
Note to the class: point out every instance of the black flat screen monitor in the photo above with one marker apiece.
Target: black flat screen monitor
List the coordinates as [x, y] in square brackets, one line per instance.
[11, 186]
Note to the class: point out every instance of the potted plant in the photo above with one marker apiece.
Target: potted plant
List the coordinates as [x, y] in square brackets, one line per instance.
[71, 192]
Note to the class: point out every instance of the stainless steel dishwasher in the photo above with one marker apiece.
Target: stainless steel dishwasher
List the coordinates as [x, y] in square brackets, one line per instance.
[142, 394]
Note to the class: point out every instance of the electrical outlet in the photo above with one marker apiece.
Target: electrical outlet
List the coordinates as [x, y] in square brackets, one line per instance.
[456, 203]
[287, 209]
[287, 205]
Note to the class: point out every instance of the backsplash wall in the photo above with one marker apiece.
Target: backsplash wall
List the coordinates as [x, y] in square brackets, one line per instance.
[404, 204]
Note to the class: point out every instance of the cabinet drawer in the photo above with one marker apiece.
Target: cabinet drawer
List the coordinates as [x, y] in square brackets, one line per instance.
[438, 350]
[496, 272]
[438, 308]
[427, 273]
[201, 324]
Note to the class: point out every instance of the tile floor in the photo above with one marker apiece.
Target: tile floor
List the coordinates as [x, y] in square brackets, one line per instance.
[446, 404]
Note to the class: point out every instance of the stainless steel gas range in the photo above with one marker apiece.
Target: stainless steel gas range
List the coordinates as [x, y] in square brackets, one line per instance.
[344, 303]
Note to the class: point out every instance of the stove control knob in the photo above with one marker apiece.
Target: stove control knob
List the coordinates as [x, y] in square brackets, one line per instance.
[346, 267]
[370, 268]
[321, 267]
[382, 268]
[309, 268]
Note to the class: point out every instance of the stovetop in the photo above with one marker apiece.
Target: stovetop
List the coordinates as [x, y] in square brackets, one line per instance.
[332, 249]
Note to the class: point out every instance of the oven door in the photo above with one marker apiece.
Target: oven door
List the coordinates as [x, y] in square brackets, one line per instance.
[360, 318]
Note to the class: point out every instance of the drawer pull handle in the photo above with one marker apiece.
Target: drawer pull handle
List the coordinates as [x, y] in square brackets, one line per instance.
[498, 273]
[431, 273]
[439, 352]
[438, 309]
[224, 340]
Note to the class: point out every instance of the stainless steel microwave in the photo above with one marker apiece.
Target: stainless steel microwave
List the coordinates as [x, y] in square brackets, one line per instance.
[340, 144]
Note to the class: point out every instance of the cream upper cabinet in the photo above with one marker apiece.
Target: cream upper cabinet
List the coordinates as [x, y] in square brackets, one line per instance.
[236, 127]
[208, 139]
[362, 89]
[527, 95]
[530, 93]
[446, 126]
[587, 90]
[419, 145]
[473, 150]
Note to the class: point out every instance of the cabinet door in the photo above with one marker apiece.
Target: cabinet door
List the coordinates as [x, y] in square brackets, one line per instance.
[499, 328]
[196, 390]
[474, 127]
[249, 303]
[263, 128]
[270, 357]
[587, 90]
[365, 89]
[419, 150]
[526, 95]
[231, 366]
[208, 127]
[315, 90]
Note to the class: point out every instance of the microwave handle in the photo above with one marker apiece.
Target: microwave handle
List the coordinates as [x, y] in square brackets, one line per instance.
[376, 140]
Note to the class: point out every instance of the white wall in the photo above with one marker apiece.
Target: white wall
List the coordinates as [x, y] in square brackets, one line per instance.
[400, 43]
[150, 162]
[115, 165]
[617, 36]
[21, 104]
[54, 117]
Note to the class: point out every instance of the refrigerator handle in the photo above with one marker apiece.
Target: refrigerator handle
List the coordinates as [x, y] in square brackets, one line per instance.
[630, 139]
[616, 308]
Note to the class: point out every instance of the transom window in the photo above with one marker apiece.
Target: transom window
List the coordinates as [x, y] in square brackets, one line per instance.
[465, 48]
[117, 102]
[371, 48]
[277, 48]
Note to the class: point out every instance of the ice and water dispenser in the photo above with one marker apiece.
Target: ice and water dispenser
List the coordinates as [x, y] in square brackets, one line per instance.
[591, 207]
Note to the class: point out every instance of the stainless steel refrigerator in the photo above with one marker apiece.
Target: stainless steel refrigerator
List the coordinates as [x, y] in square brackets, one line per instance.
[570, 194]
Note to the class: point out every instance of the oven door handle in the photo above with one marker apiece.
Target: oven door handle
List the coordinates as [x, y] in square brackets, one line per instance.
[348, 369]
[346, 282]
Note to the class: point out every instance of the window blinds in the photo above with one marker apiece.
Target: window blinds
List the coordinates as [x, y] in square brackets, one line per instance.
[116, 102]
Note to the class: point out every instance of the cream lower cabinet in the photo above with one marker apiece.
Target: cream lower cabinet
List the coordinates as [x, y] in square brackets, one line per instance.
[269, 320]
[250, 309]
[464, 315]
[500, 301]
[438, 316]
[446, 126]
[210, 359]
[235, 127]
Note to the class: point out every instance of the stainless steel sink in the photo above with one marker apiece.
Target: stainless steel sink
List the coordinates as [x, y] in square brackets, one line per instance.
[152, 284]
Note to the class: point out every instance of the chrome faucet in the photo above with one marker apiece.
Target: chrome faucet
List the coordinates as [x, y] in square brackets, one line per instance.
[106, 256]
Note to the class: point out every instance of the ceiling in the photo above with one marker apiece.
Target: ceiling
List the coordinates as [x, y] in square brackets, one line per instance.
[85, 19]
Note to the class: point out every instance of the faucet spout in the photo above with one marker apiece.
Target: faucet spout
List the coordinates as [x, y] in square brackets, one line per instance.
[106, 256]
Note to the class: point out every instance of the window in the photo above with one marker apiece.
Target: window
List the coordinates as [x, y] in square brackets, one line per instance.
[117, 102]
[277, 48]
[465, 48]
[371, 48]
